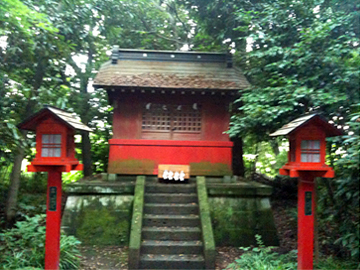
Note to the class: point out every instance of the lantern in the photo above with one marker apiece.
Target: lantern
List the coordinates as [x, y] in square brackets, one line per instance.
[306, 160]
[307, 140]
[55, 130]
[55, 153]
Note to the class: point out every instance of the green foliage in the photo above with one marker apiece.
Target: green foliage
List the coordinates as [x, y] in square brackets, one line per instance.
[260, 157]
[102, 125]
[32, 193]
[332, 263]
[305, 59]
[71, 177]
[30, 205]
[14, 14]
[216, 24]
[23, 246]
[301, 61]
[263, 258]
[341, 207]
[33, 183]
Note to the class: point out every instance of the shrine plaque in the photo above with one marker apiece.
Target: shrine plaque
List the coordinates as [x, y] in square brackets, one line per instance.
[308, 203]
[172, 170]
[52, 198]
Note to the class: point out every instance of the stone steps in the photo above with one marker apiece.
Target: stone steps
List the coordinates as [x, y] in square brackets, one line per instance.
[155, 261]
[171, 209]
[170, 188]
[171, 247]
[170, 198]
[171, 220]
[171, 232]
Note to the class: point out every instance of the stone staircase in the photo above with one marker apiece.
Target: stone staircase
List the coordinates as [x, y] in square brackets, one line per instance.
[171, 236]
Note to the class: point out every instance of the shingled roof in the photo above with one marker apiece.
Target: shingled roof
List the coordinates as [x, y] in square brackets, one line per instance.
[170, 69]
[329, 129]
[67, 118]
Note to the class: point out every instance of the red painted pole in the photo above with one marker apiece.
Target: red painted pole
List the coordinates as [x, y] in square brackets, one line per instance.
[306, 210]
[53, 218]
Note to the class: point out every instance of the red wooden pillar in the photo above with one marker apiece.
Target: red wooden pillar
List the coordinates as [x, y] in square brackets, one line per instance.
[53, 219]
[306, 211]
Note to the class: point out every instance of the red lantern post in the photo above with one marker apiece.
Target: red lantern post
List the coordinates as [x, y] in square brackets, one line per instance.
[306, 160]
[55, 153]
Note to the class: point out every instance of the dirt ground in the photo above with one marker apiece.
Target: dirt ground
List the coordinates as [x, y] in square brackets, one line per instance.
[96, 257]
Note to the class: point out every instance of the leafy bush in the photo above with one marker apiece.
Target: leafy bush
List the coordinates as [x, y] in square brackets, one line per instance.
[30, 205]
[332, 263]
[339, 210]
[33, 182]
[24, 246]
[263, 258]
[71, 177]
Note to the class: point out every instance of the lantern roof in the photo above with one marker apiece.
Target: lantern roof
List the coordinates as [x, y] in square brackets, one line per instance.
[294, 125]
[65, 117]
[170, 70]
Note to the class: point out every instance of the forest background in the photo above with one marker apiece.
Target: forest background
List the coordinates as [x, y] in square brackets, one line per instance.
[299, 56]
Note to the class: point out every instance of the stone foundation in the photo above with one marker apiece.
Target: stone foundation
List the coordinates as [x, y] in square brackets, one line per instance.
[100, 212]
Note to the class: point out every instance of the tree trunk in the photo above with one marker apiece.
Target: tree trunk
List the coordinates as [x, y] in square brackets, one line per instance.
[275, 147]
[11, 203]
[86, 153]
[237, 157]
[330, 190]
[85, 141]
[85, 108]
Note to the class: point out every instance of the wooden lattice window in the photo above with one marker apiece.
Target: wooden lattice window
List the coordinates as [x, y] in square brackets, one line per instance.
[187, 118]
[310, 151]
[51, 145]
[172, 118]
[156, 117]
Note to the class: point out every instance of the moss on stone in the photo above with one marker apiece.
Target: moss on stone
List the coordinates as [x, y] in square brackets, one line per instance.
[101, 227]
[101, 188]
[131, 166]
[239, 189]
[136, 223]
[101, 220]
[236, 220]
[206, 226]
[208, 168]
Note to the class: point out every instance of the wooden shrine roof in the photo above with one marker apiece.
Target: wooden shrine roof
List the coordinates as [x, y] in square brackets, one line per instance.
[64, 116]
[170, 69]
[290, 127]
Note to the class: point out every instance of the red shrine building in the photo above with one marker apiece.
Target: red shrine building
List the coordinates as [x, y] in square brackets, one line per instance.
[170, 108]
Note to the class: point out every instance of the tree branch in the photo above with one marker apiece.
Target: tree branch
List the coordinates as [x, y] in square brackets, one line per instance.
[72, 63]
[177, 16]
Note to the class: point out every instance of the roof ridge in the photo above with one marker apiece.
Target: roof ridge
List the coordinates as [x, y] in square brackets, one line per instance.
[53, 107]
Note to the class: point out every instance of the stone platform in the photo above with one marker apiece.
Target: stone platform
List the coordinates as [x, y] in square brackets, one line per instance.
[99, 211]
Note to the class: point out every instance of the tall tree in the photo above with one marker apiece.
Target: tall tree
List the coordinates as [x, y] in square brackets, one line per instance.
[36, 56]
[302, 60]
[93, 25]
[31, 46]
[305, 59]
